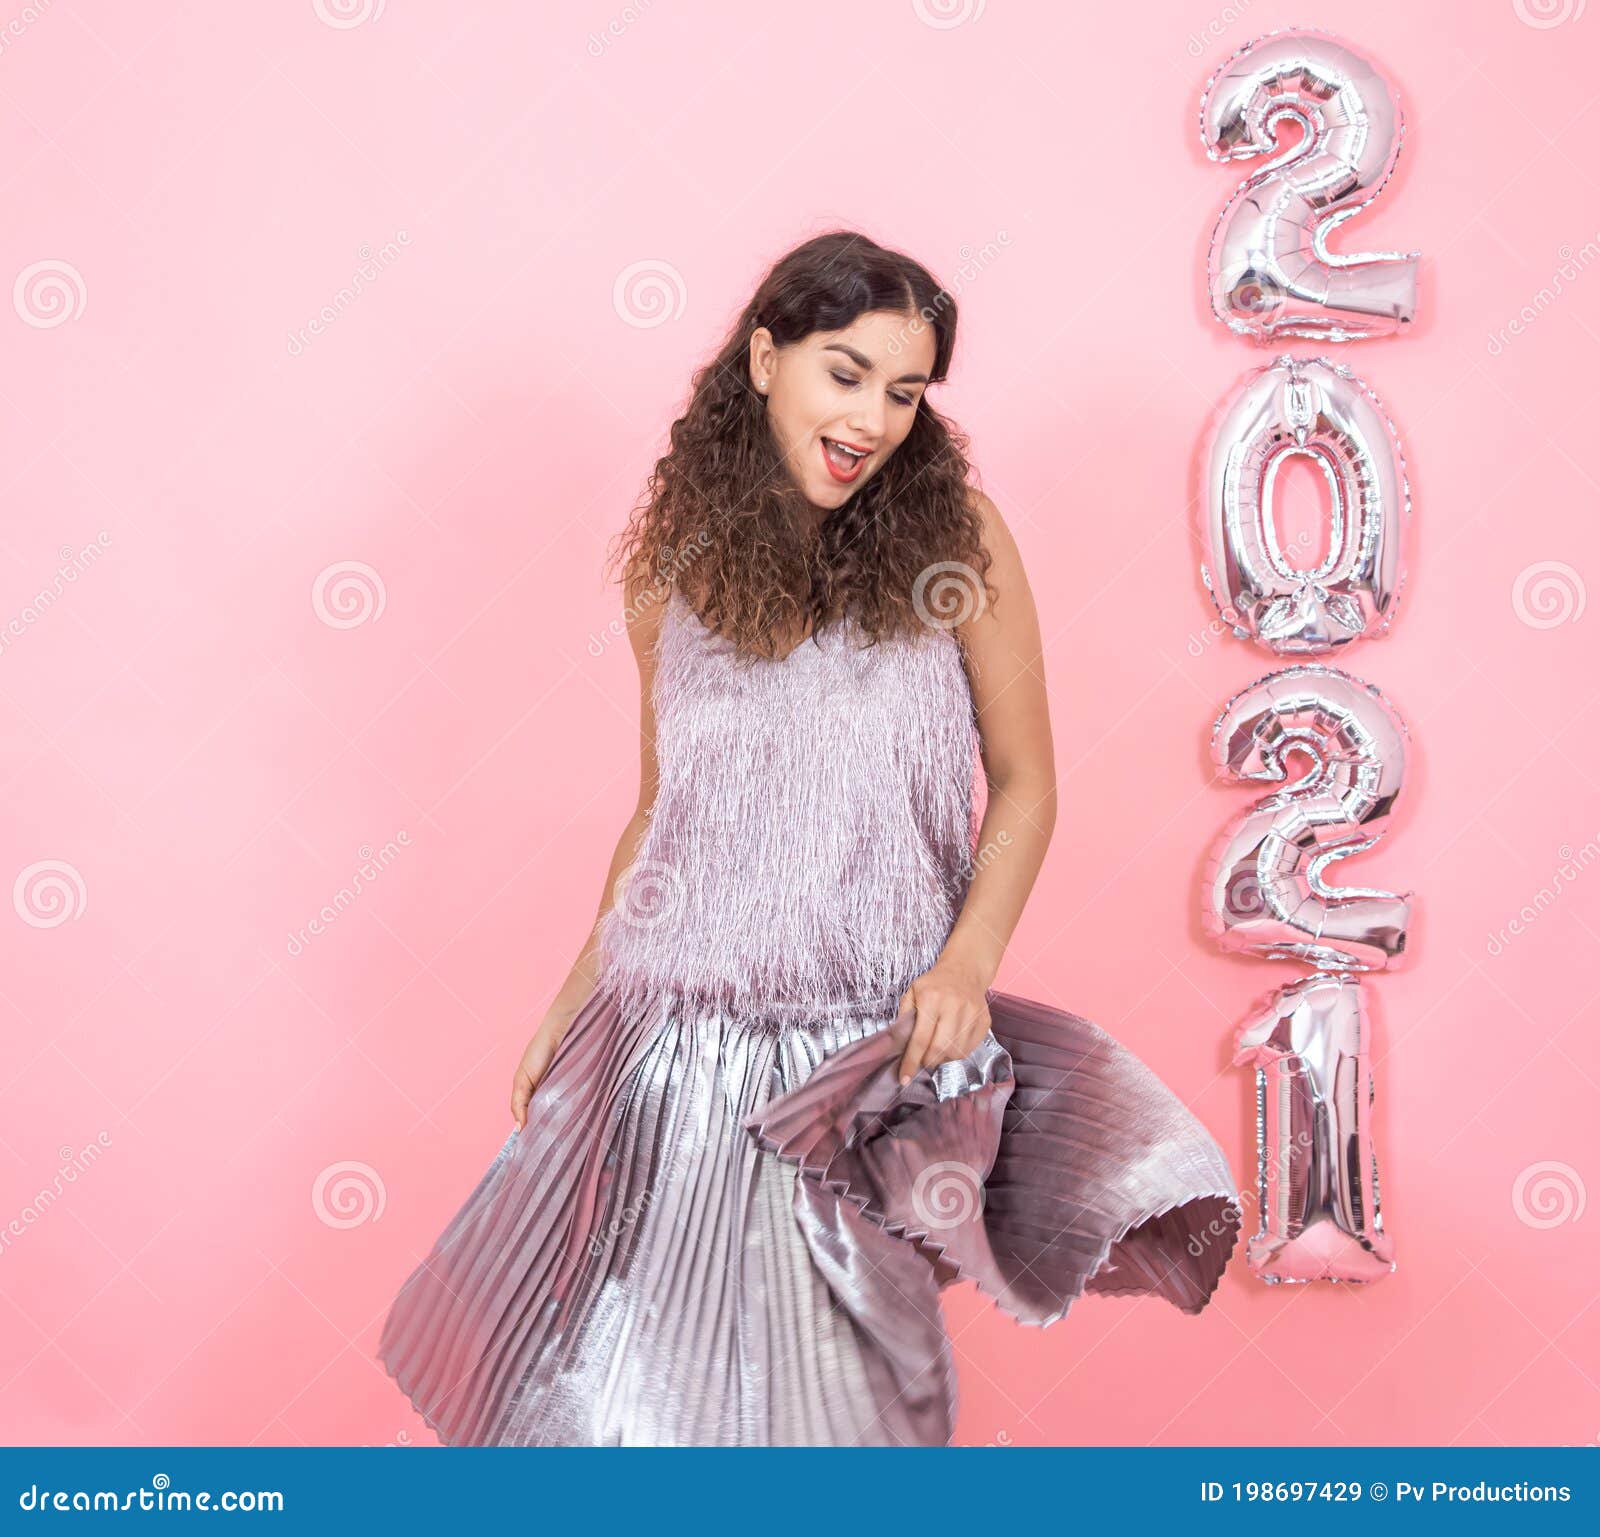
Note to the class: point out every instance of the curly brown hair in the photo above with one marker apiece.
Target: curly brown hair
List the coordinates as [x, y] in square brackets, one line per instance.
[722, 518]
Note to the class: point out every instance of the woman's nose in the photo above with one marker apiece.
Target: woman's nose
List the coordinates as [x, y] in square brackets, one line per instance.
[868, 417]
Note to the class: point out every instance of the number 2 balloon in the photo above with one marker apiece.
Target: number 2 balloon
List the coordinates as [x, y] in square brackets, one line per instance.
[1270, 270]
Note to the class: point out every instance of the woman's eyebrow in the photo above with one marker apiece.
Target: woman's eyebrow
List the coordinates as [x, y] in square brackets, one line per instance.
[862, 361]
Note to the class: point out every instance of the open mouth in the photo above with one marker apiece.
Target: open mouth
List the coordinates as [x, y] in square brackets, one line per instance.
[844, 460]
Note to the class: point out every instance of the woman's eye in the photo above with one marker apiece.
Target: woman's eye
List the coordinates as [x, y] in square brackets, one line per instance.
[895, 395]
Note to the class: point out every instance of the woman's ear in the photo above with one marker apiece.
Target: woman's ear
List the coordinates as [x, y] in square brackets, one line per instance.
[763, 359]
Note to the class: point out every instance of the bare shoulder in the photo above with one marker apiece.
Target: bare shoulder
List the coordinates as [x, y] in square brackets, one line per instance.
[643, 605]
[1006, 572]
[989, 517]
[1000, 642]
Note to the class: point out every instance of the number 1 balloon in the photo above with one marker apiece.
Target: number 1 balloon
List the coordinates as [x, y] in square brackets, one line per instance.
[1324, 413]
[1319, 1219]
[1271, 273]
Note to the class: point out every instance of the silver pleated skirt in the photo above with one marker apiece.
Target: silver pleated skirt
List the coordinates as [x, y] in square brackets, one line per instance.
[721, 1233]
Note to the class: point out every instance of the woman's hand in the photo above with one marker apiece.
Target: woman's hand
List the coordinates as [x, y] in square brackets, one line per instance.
[536, 1061]
[952, 1015]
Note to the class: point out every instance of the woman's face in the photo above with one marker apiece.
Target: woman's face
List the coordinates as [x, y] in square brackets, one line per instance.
[841, 402]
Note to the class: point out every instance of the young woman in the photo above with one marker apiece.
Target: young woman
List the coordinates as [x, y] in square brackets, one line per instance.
[777, 1105]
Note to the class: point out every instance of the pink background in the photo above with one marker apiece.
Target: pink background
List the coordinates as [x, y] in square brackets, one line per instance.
[209, 755]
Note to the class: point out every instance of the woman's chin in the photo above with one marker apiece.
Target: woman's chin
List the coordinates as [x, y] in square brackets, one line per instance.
[829, 495]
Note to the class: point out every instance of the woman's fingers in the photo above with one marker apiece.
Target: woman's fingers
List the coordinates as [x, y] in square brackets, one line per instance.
[521, 1093]
[541, 1051]
[922, 1037]
[529, 1073]
[945, 1033]
[946, 1045]
[952, 1018]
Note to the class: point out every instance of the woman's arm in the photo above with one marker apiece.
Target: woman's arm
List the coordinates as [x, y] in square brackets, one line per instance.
[642, 610]
[1005, 667]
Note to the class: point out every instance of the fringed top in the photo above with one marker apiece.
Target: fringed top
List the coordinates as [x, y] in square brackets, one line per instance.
[814, 825]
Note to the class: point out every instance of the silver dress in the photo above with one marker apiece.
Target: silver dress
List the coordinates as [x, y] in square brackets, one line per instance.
[726, 1222]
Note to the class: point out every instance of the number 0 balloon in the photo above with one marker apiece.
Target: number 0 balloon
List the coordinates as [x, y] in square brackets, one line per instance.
[1322, 412]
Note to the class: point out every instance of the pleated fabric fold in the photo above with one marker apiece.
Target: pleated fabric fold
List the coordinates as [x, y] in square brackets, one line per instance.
[734, 1231]
[634, 1270]
[1049, 1162]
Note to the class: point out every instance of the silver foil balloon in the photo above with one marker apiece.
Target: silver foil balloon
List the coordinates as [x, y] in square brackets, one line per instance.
[1265, 887]
[1321, 411]
[1310, 1044]
[1270, 271]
